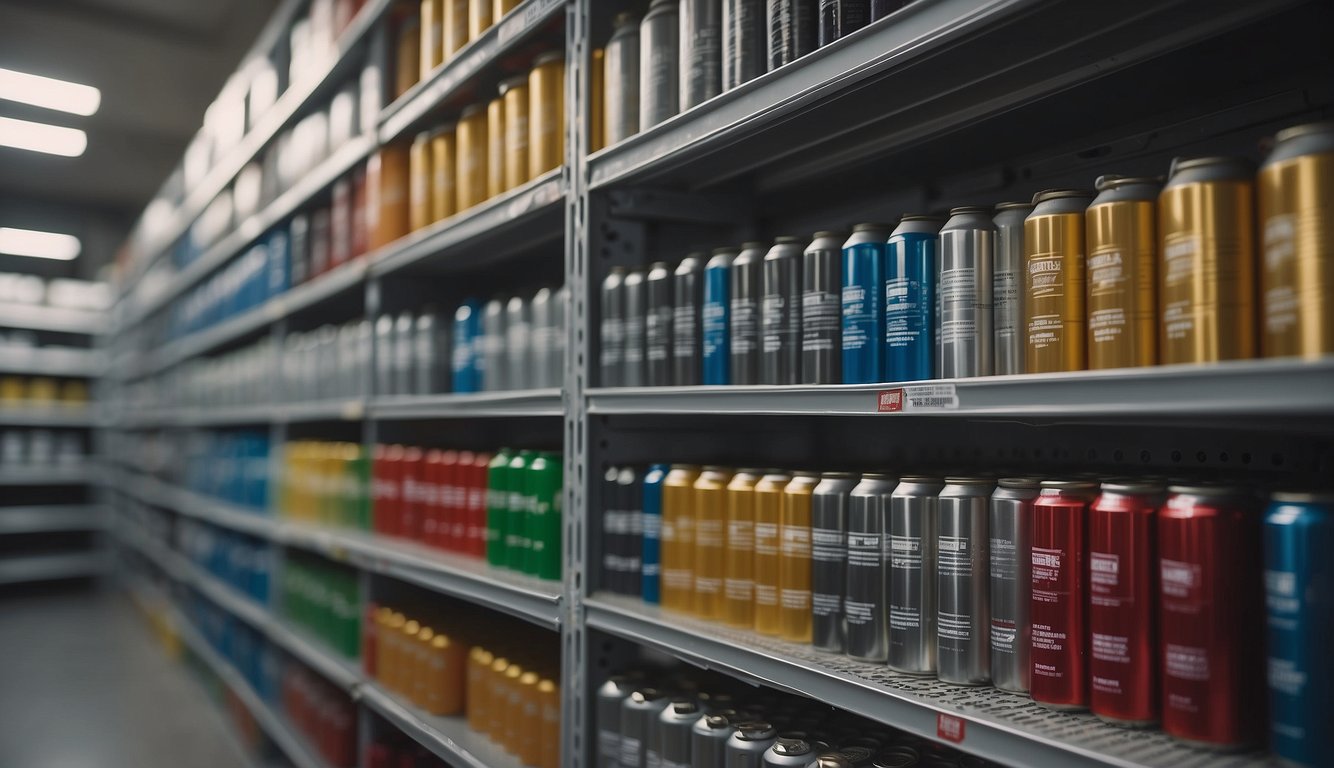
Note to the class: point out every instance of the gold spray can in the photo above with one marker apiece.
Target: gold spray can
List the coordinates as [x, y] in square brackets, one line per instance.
[677, 543]
[1122, 272]
[738, 576]
[479, 18]
[420, 204]
[501, 7]
[768, 518]
[794, 558]
[454, 30]
[1054, 281]
[1206, 278]
[710, 539]
[470, 183]
[444, 156]
[495, 147]
[515, 93]
[546, 113]
[549, 694]
[1296, 197]
[432, 21]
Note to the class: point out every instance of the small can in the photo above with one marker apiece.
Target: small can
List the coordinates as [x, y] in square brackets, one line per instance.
[658, 326]
[541, 314]
[716, 326]
[515, 137]
[780, 313]
[431, 352]
[670, 747]
[444, 156]
[744, 314]
[632, 354]
[963, 594]
[821, 304]
[544, 512]
[611, 696]
[639, 718]
[491, 358]
[659, 64]
[840, 18]
[1210, 601]
[710, 541]
[863, 314]
[498, 486]
[621, 104]
[404, 345]
[743, 42]
[829, 555]
[1007, 288]
[701, 51]
[385, 356]
[612, 334]
[419, 196]
[748, 743]
[1058, 607]
[794, 558]
[708, 740]
[1123, 625]
[678, 537]
[1206, 284]
[1011, 526]
[517, 542]
[792, 30]
[465, 376]
[1054, 314]
[1296, 192]
[518, 338]
[910, 299]
[650, 561]
[454, 30]
[614, 530]
[479, 17]
[470, 140]
[883, 8]
[546, 113]
[789, 752]
[1122, 272]
[865, 603]
[687, 304]
[911, 555]
[1299, 587]
[765, 565]
[495, 147]
[739, 574]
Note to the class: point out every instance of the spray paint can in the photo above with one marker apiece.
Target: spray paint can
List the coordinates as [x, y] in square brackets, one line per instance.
[621, 79]
[632, 359]
[743, 42]
[1011, 526]
[866, 599]
[913, 512]
[716, 325]
[747, 745]
[963, 593]
[658, 326]
[863, 310]
[612, 336]
[821, 306]
[701, 51]
[1007, 287]
[659, 64]
[744, 316]
[780, 313]
[829, 554]
[910, 299]
[687, 304]
[967, 242]
[839, 18]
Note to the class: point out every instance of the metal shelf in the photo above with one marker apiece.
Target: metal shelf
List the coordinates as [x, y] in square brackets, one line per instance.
[449, 738]
[52, 517]
[1000, 726]
[52, 361]
[1254, 388]
[527, 402]
[39, 317]
[449, 79]
[49, 567]
[78, 474]
[34, 415]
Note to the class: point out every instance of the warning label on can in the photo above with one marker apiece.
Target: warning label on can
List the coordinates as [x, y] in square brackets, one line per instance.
[921, 397]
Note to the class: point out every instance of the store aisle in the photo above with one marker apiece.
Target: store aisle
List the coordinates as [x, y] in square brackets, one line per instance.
[84, 684]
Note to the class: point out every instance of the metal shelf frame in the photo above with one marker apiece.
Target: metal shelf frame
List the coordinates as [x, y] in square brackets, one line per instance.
[52, 361]
[46, 518]
[22, 569]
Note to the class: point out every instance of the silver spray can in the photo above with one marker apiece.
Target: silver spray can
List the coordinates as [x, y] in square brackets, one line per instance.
[492, 360]
[829, 555]
[671, 744]
[708, 739]
[701, 51]
[963, 591]
[743, 42]
[384, 355]
[1007, 287]
[746, 747]
[1011, 566]
[967, 242]
[632, 360]
[612, 336]
[518, 341]
[789, 752]
[543, 333]
[792, 30]
[687, 331]
[745, 312]
[780, 313]
[610, 696]
[659, 64]
[405, 332]
[912, 567]
[821, 307]
[658, 325]
[866, 597]
[432, 353]
[639, 718]
[621, 80]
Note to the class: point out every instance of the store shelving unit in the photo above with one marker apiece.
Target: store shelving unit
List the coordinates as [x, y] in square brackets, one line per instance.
[949, 101]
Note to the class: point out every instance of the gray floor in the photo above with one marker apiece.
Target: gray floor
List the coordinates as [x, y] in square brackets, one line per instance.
[84, 684]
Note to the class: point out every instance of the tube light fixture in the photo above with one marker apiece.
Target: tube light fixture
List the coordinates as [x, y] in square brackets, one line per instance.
[40, 137]
[49, 93]
[41, 245]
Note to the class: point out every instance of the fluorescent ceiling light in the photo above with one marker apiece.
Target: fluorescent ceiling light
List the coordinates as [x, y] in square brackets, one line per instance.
[49, 93]
[41, 245]
[40, 137]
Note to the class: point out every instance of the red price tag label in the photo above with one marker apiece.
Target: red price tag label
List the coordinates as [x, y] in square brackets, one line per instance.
[889, 400]
[949, 727]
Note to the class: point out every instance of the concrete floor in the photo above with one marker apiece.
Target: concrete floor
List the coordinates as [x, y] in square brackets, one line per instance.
[84, 684]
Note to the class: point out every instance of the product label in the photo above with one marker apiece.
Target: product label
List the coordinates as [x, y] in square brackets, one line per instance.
[744, 329]
[819, 320]
[1111, 648]
[1179, 579]
[1281, 598]
[827, 545]
[766, 538]
[858, 318]
[949, 728]
[921, 397]
[1186, 662]
[864, 550]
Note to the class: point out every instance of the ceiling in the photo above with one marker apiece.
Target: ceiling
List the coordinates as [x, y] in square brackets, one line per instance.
[158, 63]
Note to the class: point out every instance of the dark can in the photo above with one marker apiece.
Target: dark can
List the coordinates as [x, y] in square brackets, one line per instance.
[464, 372]
[791, 28]
[405, 333]
[670, 745]
[701, 51]
[639, 718]
[491, 358]
[863, 314]
[432, 353]
[658, 332]
[1058, 607]
[910, 299]
[967, 244]
[632, 355]
[687, 303]
[716, 326]
[866, 597]
[829, 555]
[1007, 288]
[612, 337]
[911, 552]
[1210, 601]
[743, 42]
[544, 312]
[621, 80]
[518, 341]
[747, 745]
[650, 562]
[840, 18]
[746, 274]
[1299, 590]
[659, 65]
[780, 313]
[1123, 584]
[963, 595]
[708, 740]
[1011, 527]
[882, 8]
[821, 302]
[789, 752]
[384, 355]
[610, 697]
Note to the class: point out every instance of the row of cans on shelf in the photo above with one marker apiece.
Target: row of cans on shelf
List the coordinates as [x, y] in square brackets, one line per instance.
[1141, 274]
[324, 598]
[42, 448]
[232, 466]
[42, 392]
[649, 717]
[243, 562]
[1077, 595]
[435, 31]
[685, 52]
